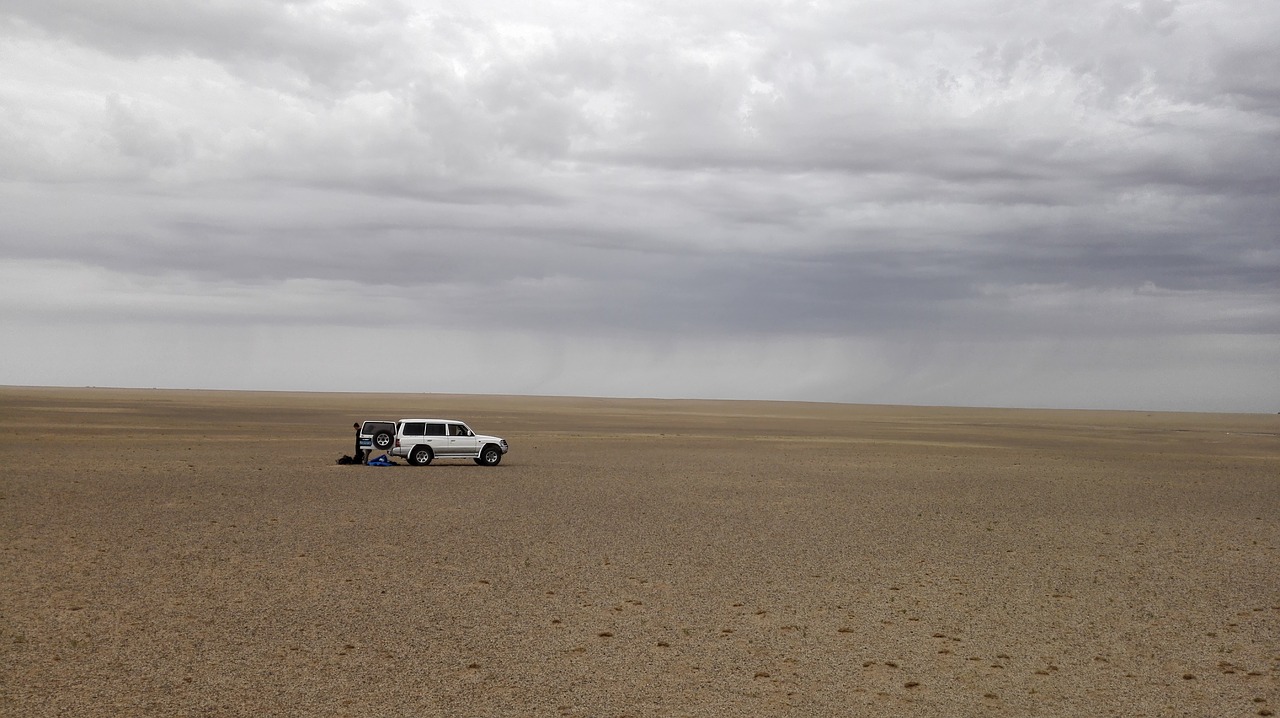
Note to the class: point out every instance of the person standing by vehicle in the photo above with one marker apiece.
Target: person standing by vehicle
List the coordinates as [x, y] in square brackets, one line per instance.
[362, 455]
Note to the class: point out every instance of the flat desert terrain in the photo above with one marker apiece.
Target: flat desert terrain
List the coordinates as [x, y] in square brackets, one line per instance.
[183, 553]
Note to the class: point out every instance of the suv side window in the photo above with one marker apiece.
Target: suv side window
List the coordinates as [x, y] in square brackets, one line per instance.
[413, 428]
[434, 430]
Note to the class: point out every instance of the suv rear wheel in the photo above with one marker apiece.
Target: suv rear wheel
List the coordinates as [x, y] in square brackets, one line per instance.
[420, 455]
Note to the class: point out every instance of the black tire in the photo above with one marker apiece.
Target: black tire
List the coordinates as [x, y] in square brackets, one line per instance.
[420, 455]
[382, 440]
[490, 455]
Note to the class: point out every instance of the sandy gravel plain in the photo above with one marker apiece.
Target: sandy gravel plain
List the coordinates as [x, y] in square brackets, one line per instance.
[200, 553]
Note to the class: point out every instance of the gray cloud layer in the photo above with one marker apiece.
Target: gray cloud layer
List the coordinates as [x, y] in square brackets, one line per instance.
[963, 202]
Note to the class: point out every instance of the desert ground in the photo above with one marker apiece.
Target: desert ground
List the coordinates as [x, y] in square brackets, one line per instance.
[201, 553]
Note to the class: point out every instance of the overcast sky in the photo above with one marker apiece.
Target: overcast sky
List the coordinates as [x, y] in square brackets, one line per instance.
[954, 202]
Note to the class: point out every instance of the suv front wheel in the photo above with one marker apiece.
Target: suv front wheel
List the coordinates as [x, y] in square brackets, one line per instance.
[490, 456]
[420, 456]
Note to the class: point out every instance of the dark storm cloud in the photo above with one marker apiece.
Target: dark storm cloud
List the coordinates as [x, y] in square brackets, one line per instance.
[871, 172]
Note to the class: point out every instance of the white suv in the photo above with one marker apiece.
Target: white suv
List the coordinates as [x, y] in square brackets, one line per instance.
[422, 440]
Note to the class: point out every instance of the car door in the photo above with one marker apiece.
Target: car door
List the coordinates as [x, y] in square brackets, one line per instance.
[461, 440]
[436, 438]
